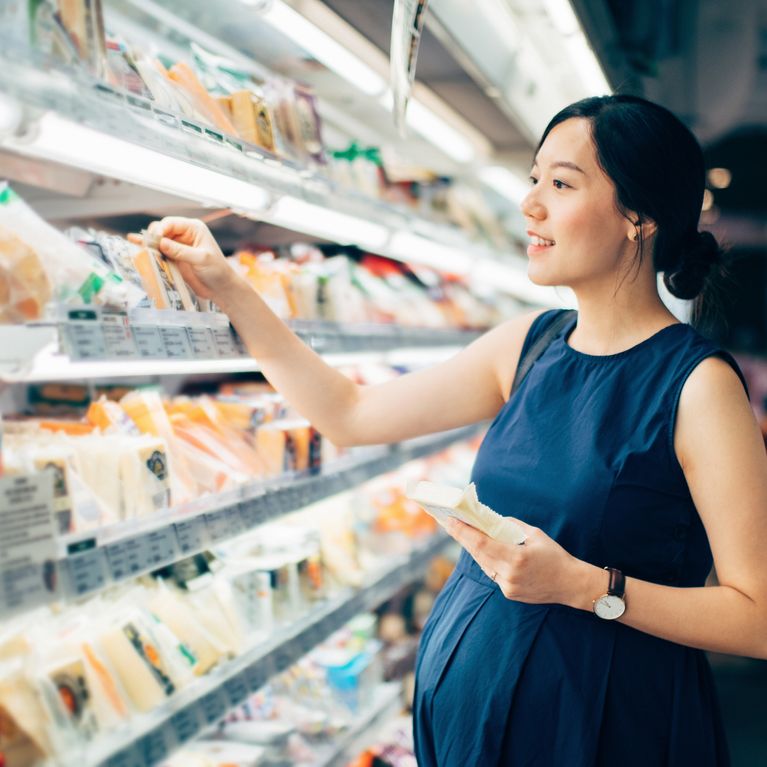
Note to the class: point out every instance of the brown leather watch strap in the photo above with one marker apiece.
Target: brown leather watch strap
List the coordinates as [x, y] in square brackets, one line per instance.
[617, 585]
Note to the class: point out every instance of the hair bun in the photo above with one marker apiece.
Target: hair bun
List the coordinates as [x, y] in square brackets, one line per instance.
[700, 252]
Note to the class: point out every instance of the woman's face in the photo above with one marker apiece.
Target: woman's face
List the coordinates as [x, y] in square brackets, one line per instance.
[572, 206]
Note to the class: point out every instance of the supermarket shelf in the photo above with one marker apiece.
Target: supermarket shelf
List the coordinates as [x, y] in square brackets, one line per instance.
[93, 344]
[387, 703]
[69, 120]
[89, 563]
[152, 737]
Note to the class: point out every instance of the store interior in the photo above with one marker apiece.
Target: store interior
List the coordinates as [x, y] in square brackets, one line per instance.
[191, 574]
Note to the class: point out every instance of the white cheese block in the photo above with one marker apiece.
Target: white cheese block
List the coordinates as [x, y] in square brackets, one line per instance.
[444, 502]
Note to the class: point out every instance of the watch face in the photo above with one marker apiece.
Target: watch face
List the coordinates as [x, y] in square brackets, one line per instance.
[609, 607]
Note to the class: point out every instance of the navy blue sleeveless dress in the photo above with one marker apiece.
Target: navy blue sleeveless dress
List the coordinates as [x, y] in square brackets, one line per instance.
[584, 451]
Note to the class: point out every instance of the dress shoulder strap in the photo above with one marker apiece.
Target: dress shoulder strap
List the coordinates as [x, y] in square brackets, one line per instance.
[538, 341]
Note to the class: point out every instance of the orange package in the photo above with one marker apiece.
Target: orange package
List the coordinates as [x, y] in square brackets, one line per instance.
[183, 75]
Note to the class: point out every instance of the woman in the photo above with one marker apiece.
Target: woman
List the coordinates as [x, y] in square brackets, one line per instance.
[629, 445]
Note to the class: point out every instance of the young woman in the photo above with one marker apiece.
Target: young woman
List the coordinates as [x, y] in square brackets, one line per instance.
[630, 445]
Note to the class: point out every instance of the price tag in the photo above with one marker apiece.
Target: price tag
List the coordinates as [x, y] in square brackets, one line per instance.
[155, 747]
[257, 677]
[176, 342]
[203, 343]
[254, 512]
[161, 547]
[126, 758]
[237, 688]
[213, 706]
[190, 535]
[149, 341]
[117, 336]
[27, 542]
[225, 342]
[127, 558]
[186, 724]
[83, 336]
[87, 572]
[224, 524]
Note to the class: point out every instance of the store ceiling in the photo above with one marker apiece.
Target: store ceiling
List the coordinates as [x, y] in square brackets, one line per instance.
[704, 59]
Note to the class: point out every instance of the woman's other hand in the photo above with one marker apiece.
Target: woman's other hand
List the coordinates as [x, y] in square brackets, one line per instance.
[189, 243]
[539, 571]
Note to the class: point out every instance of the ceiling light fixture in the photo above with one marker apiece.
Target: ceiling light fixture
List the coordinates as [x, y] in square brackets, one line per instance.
[301, 216]
[506, 182]
[324, 48]
[67, 142]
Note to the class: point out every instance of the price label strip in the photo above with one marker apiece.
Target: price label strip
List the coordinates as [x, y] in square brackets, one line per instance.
[190, 535]
[186, 724]
[213, 706]
[127, 558]
[28, 571]
[203, 343]
[118, 337]
[83, 336]
[225, 342]
[149, 342]
[155, 746]
[161, 547]
[128, 757]
[87, 571]
[237, 688]
[224, 524]
[176, 341]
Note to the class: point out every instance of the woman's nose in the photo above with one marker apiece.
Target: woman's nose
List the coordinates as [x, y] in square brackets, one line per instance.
[531, 205]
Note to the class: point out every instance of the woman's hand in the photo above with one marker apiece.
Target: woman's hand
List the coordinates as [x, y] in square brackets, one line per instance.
[539, 571]
[189, 243]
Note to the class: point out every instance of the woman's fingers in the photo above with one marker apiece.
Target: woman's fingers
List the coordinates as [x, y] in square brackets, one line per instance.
[136, 239]
[177, 251]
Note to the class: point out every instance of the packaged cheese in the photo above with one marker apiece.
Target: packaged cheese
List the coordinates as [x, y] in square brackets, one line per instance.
[24, 286]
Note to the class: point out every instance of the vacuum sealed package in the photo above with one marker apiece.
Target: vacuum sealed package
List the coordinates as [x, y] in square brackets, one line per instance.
[162, 278]
[444, 502]
[76, 277]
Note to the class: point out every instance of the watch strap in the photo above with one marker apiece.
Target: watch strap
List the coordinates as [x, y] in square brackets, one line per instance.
[617, 587]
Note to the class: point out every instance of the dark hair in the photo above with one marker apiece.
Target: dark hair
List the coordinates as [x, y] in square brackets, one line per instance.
[659, 173]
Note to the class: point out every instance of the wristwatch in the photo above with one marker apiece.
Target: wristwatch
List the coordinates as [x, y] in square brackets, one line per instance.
[612, 604]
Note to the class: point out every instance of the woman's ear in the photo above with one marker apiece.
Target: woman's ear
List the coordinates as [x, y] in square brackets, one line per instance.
[646, 227]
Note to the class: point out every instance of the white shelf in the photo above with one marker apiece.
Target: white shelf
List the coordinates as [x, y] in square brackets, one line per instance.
[386, 703]
[90, 562]
[148, 739]
[78, 123]
[88, 344]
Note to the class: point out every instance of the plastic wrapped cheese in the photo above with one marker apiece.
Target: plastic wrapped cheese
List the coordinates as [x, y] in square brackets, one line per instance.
[24, 286]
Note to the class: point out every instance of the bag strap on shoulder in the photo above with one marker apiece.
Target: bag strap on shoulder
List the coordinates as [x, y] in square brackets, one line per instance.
[539, 346]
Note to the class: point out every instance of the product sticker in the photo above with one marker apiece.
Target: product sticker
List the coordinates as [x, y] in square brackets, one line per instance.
[72, 687]
[62, 502]
[28, 572]
[147, 651]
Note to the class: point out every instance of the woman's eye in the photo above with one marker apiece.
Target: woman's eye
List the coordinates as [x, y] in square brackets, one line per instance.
[533, 180]
[559, 184]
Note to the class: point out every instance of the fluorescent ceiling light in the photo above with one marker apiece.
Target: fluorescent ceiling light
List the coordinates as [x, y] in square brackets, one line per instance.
[439, 132]
[591, 74]
[562, 16]
[324, 48]
[323, 222]
[406, 246]
[72, 144]
[507, 183]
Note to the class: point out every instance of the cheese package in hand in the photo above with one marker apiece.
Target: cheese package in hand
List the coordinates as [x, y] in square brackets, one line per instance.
[444, 502]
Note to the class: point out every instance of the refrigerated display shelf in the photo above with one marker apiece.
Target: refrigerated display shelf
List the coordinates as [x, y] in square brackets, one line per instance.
[150, 738]
[92, 121]
[97, 344]
[91, 562]
[386, 703]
